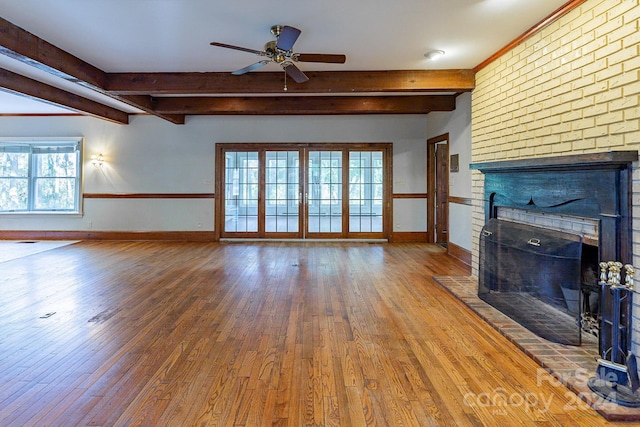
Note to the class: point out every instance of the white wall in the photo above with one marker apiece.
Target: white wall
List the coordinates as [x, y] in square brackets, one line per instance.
[151, 155]
[458, 125]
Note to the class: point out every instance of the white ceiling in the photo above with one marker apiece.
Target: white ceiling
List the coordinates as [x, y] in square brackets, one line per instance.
[174, 35]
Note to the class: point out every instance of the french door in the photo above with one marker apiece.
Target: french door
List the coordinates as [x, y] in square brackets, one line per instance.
[303, 190]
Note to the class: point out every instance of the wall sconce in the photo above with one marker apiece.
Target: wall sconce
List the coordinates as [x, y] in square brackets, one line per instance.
[97, 160]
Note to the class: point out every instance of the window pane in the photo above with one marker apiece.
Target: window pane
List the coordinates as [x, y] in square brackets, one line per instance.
[14, 164]
[55, 165]
[54, 194]
[14, 194]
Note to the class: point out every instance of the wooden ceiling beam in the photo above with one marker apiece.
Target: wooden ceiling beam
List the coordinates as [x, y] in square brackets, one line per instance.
[27, 48]
[306, 105]
[147, 91]
[320, 82]
[21, 85]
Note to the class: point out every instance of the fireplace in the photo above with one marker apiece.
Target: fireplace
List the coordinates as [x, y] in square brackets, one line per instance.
[580, 202]
[533, 275]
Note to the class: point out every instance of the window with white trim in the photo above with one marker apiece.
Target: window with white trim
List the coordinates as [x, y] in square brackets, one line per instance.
[40, 176]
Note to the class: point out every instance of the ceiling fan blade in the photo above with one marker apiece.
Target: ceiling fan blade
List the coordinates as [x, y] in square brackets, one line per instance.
[250, 67]
[287, 37]
[320, 57]
[244, 49]
[295, 73]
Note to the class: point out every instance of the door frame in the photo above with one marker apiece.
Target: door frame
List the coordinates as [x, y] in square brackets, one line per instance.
[385, 147]
[431, 184]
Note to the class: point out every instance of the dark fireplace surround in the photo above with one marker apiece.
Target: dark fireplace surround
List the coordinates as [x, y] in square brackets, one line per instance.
[592, 186]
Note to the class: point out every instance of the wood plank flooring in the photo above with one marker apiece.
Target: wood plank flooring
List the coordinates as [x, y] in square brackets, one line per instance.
[252, 334]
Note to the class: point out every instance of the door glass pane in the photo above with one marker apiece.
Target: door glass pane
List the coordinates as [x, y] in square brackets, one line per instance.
[365, 191]
[241, 191]
[324, 194]
[282, 204]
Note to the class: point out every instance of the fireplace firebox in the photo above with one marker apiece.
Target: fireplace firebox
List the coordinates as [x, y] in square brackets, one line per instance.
[533, 275]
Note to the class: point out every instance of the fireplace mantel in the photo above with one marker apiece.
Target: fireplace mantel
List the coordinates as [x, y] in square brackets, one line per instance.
[610, 159]
[594, 186]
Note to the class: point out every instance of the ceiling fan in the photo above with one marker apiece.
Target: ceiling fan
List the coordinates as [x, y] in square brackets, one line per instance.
[281, 52]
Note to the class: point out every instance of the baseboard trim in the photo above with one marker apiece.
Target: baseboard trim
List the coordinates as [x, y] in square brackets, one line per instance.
[194, 236]
[460, 253]
[408, 237]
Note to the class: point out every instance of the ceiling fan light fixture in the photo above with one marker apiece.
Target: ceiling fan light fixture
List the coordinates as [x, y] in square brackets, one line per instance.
[434, 54]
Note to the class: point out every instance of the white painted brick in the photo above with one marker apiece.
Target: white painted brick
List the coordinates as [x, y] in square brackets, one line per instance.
[595, 66]
[578, 20]
[608, 96]
[560, 109]
[625, 127]
[594, 45]
[594, 111]
[561, 148]
[632, 140]
[585, 102]
[625, 103]
[585, 123]
[595, 132]
[622, 8]
[595, 22]
[608, 50]
[612, 25]
[608, 118]
[584, 82]
[633, 14]
[633, 62]
[624, 55]
[632, 113]
[584, 144]
[596, 88]
[627, 79]
[561, 128]
[572, 116]
[610, 141]
[581, 61]
[631, 39]
[571, 136]
[623, 32]
[602, 7]
[609, 72]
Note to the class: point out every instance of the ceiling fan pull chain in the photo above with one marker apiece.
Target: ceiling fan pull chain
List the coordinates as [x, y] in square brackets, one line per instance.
[285, 81]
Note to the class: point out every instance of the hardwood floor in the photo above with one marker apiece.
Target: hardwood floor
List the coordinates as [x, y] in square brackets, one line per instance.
[250, 334]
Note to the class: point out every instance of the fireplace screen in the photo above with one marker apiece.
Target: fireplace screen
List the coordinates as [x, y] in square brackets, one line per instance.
[533, 275]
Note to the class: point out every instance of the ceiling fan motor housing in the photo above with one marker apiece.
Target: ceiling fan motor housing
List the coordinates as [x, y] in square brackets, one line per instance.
[272, 51]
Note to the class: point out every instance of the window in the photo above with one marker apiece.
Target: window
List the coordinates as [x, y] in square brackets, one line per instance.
[40, 176]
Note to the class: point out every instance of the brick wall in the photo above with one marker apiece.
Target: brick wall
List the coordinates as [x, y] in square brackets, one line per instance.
[572, 88]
